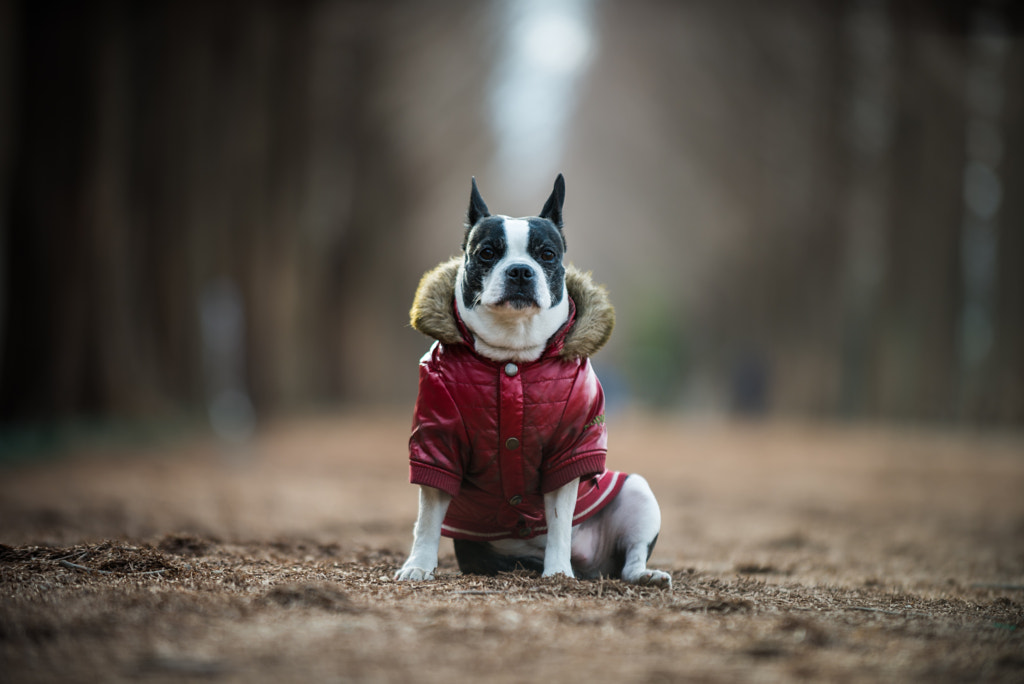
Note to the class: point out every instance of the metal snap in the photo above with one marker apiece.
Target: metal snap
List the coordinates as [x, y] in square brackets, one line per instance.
[511, 443]
[511, 369]
[516, 500]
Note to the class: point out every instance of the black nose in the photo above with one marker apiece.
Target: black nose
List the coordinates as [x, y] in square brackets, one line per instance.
[519, 273]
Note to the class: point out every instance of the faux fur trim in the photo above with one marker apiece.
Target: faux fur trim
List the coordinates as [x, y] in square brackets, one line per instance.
[433, 314]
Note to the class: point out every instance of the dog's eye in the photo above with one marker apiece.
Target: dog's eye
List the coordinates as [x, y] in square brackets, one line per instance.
[547, 256]
[486, 254]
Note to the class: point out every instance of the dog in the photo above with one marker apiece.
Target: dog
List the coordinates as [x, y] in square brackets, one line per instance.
[509, 438]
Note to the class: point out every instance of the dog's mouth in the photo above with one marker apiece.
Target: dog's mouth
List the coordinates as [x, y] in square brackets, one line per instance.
[517, 301]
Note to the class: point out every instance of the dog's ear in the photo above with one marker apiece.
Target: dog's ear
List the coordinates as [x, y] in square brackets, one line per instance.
[477, 210]
[477, 207]
[553, 207]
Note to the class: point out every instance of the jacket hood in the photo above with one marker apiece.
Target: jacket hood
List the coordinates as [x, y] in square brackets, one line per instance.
[433, 310]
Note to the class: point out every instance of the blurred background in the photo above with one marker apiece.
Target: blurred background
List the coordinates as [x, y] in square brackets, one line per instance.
[221, 210]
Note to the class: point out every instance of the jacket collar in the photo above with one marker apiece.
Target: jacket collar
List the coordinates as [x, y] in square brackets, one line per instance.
[590, 324]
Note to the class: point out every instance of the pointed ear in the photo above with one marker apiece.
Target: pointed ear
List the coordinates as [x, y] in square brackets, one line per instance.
[477, 207]
[553, 207]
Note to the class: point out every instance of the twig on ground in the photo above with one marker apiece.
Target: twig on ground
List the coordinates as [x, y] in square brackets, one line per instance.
[76, 566]
[78, 556]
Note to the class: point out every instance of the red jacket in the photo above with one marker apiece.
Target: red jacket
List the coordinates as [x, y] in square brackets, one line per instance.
[498, 436]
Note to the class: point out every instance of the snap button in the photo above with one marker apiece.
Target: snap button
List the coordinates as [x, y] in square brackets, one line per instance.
[524, 531]
[516, 500]
[511, 369]
[511, 443]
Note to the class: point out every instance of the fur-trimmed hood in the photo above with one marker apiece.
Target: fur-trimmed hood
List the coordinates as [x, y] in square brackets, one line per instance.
[433, 310]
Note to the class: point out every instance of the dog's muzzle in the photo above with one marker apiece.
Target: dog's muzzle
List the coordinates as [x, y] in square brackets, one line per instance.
[520, 286]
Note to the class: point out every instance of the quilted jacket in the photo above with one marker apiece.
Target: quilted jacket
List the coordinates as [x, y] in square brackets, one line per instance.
[498, 436]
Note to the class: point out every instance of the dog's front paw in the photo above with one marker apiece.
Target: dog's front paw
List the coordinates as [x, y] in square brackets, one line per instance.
[413, 574]
[564, 571]
[651, 578]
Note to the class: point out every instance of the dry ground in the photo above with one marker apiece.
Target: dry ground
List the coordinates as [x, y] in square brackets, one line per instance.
[798, 553]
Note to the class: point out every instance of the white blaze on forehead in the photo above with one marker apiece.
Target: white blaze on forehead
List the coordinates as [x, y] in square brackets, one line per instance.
[517, 232]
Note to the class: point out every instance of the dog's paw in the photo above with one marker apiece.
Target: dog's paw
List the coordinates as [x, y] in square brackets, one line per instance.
[564, 570]
[413, 574]
[652, 578]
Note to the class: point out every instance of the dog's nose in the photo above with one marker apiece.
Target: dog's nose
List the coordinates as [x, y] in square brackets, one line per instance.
[520, 273]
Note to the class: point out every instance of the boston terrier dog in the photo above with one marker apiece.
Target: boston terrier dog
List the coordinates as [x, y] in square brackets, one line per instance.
[509, 438]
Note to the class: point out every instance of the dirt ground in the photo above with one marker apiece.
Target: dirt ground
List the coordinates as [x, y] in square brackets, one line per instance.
[822, 553]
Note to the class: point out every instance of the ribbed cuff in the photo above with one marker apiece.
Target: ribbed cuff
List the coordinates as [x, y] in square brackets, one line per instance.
[588, 464]
[422, 474]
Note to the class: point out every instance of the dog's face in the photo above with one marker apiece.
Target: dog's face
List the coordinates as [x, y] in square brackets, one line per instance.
[511, 284]
[513, 262]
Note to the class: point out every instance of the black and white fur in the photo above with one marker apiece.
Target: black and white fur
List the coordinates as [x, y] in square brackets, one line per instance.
[510, 293]
[510, 290]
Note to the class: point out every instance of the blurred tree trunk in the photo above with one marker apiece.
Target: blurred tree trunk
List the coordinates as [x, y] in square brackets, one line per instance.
[805, 324]
[9, 43]
[1007, 367]
[915, 374]
[45, 367]
[867, 128]
[164, 148]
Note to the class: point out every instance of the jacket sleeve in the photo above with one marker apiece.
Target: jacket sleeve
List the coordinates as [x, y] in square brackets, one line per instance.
[581, 440]
[438, 438]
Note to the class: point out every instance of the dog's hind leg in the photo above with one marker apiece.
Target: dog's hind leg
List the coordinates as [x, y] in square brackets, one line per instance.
[636, 520]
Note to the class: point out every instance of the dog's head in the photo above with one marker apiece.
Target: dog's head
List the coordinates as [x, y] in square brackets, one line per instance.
[510, 289]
